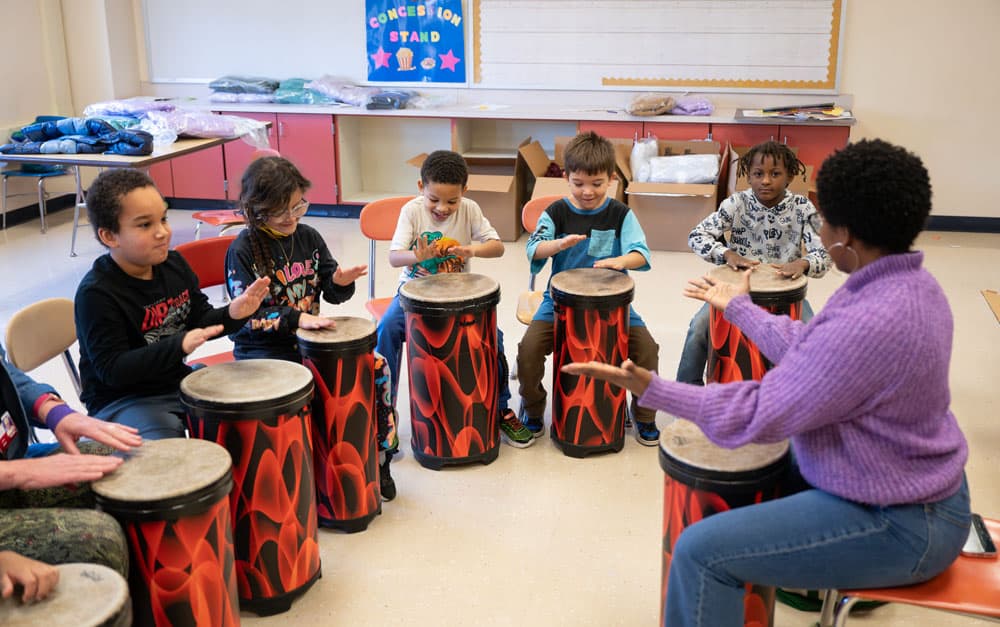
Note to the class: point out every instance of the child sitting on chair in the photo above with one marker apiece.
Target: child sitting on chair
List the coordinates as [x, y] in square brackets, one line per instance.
[768, 225]
[139, 311]
[301, 269]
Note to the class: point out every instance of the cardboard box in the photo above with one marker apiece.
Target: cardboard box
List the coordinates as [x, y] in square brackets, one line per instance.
[499, 187]
[801, 184]
[668, 211]
[536, 163]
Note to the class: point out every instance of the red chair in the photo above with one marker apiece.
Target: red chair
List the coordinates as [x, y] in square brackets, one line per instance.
[207, 257]
[528, 302]
[971, 586]
[227, 218]
[378, 223]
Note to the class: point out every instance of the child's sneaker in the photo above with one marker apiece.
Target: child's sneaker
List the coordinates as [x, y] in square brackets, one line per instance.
[515, 433]
[387, 486]
[646, 433]
[535, 425]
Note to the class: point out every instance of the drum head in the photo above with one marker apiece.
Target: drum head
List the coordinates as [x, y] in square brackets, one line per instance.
[161, 470]
[592, 286]
[766, 285]
[348, 332]
[682, 441]
[449, 293]
[246, 383]
[87, 595]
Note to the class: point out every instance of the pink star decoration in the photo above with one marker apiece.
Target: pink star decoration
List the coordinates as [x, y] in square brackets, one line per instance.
[448, 61]
[381, 58]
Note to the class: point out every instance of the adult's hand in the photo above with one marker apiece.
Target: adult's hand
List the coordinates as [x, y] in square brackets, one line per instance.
[633, 378]
[717, 293]
[76, 425]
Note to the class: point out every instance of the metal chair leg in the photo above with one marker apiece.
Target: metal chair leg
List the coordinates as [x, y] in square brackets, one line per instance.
[829, 610]
[76, 211]
[4, 202]
[844, 610]
[41, 201]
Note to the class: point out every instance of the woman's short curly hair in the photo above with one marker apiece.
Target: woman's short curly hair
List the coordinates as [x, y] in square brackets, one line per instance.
[880, 192]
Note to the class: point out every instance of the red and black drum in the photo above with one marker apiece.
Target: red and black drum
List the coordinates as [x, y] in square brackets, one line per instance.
[342, 362]
[451, 339]
[591, 324]
[259, 409]
[87, 595]
[703, 479]
[171, 498]
[732, 356]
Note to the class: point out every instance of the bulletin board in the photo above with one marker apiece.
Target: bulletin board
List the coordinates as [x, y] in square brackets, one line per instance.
[731, 45]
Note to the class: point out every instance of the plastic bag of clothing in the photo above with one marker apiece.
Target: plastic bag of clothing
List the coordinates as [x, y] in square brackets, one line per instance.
[133, 107]
[390, 99]
[650, 104]
[642, 151]
[692, 105]
[225, 96]
[194, 123]
[293, 91]
[244, 84]
[342, 90]
[684, 169]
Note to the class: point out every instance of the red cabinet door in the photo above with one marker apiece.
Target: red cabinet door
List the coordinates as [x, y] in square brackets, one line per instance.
[200, 174]
[626, 130]
[683, 131]
[815, 143]
[238, 152]
[745, 134]
[163, 176]
[307, 140]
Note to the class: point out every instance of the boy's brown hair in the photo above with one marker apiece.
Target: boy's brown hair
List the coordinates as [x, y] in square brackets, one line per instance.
[104, 198]
[591, 154]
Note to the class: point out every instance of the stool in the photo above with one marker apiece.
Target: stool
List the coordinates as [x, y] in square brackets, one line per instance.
[226, 218]
[971, 585]
[40, 173]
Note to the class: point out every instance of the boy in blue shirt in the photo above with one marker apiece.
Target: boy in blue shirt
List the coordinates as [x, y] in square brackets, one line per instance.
[587, 229]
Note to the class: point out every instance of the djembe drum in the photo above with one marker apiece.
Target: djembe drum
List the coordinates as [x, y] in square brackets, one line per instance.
[451, 340]
[343, 422]
[87, 595]
[171, 497]
[732, 356]
[259, 409]
[703, 479]
[591, 324]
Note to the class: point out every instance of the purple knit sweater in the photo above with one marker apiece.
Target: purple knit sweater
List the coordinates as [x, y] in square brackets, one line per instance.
[862, 389]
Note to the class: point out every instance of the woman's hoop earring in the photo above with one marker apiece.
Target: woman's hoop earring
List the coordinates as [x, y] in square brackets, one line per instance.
[857, 259]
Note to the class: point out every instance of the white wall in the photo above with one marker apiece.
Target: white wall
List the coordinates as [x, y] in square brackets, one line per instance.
[920, 73]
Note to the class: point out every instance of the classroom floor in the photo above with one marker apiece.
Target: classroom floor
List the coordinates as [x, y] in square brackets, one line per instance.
[538, 538]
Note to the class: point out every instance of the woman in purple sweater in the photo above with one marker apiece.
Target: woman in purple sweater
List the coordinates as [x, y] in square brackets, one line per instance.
[861, 390]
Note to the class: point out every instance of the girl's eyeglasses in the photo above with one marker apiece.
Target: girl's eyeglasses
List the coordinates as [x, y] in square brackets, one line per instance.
[296, 211]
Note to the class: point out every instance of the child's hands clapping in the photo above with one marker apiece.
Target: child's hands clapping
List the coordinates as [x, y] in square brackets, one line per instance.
[196, 337]
[425, 249]
[244, 305]
[465, 252]
[346, 276]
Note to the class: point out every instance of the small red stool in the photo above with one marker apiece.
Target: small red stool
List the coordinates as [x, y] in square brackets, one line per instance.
[971, 585]
[226, 218]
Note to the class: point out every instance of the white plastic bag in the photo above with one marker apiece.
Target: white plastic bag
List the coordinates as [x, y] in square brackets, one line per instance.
[684, 169]
[643, 150]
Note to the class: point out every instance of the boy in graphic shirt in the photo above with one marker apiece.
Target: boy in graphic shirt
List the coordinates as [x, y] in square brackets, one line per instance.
[139, 311]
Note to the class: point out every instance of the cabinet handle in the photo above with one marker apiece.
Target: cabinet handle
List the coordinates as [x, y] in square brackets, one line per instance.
[772, 138]
[785, 140]
[281, 129]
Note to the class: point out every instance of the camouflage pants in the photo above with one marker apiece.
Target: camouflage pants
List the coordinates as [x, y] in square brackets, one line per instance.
[59, 525]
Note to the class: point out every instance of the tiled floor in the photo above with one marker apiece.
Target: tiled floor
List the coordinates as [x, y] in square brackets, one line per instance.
[537, 538]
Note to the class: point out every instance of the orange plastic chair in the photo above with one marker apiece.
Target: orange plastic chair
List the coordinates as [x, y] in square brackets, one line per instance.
[528, 302]
[378, 223]
[971, 586]
[207, 257]
[227, 218]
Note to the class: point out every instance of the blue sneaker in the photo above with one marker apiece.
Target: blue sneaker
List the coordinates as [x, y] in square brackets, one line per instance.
[535, 425]
[646, 433]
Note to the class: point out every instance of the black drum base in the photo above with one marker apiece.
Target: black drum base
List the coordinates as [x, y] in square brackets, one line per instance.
[437, 463]
[277, 604]
[575, 450]
[353, 525]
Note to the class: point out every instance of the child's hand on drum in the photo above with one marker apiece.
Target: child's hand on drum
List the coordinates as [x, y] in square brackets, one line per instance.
[196, 337]
[346, 276]
[309, 321]
[737, 261]
[633, 378]
[793, 269]
[37, 579]
[244, 305]
[717, 293]
[611, 263]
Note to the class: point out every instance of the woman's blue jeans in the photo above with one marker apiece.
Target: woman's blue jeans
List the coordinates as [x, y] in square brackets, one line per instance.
[808, 540]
